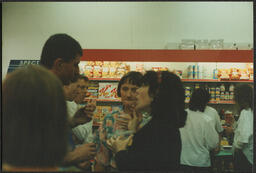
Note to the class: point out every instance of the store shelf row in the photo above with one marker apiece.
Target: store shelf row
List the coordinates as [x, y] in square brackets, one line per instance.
[184, 80]
[211, 102]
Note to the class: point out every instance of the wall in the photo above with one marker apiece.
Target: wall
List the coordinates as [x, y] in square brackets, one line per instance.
[120, 25]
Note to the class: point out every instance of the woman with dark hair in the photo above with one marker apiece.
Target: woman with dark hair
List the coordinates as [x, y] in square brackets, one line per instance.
[35, 129]
[198, 136]
[115, 123]
[157, 145]
[243, 139]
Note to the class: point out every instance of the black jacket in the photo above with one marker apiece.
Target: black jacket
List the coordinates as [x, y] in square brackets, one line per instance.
[156, 147]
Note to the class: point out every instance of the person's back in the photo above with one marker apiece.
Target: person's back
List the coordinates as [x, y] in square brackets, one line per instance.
[198, 138]
[211, 112]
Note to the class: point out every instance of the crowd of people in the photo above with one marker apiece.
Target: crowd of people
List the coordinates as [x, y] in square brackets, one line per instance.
[48, 125]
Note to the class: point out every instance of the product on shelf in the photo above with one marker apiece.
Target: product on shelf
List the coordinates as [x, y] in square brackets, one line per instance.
[107, 90]
[223, 74]
[93, 88]
[187, 94]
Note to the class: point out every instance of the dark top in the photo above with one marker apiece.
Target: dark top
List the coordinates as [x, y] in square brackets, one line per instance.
[157, 146]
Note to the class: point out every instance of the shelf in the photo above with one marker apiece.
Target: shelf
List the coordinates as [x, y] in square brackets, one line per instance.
[160, 55]
[104, 79]
[221, 102]
[108, 100]
[215, 80]
[184, 80]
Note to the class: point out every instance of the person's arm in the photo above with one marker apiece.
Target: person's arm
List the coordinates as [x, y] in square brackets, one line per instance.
[81, 153]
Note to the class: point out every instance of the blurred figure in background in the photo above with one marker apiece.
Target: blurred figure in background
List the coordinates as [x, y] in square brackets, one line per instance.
[35, 127]
[243, 139]
[198, 136]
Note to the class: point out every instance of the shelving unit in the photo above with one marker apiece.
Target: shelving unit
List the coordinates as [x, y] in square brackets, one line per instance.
[133, 56]
[184, 80]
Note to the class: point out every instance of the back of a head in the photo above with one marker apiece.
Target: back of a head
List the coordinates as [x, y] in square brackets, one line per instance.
[168, 94]
[59, 46]
[243, 96]
[132, 77]
[34, 118]
[199, 99]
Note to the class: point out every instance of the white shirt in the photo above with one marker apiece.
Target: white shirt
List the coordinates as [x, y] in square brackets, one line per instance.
[244, 133]
[72, 108]
[84, 132]
[211, 112]
[198, 137]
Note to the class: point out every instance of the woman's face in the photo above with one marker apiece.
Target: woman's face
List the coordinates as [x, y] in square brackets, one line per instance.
[128, 94]
[143, 99]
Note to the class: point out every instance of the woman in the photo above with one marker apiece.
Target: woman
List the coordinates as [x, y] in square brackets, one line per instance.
[116, 122]
[198, 136]
[34, 120]
[243, 139]
[157, 145]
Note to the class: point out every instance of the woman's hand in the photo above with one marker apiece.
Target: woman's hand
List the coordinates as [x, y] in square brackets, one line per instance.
[135, 121]
[123, 120]
[120, 143]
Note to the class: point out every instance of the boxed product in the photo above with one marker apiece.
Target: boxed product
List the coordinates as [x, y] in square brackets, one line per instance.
[108, 90]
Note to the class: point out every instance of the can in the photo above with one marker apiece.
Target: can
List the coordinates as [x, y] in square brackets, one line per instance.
[222, 96]
[227, 95]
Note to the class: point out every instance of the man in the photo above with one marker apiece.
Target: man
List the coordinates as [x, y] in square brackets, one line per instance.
[61, 54]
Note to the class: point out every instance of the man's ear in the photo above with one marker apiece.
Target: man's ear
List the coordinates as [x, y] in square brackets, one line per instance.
[58, 63]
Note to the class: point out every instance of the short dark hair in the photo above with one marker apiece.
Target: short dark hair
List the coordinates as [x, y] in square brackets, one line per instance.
[168, 105]
[132, 77]
[34, 118]
[60, 46]
[199, 99]
[243, 96]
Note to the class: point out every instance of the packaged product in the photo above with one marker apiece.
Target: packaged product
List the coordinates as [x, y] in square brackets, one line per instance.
[223, 74]
[222, 88]
[217, 97]
[97, 71]
[105, 70]
[107, 90]
[226, 95]
[222, 95]
[217, 90]
[197, 86]
[187, 91]
[244, 74]
[155, 68]
[190, 72]
[97, 114]
[231, 96]
[93, 88]
[121, 70]
[105, 110]
[88, 71]
[98, 63]
[231, 87]
[112, 69]
[235, 74]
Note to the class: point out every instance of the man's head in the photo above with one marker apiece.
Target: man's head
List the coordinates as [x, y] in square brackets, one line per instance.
[81, 87]
[61, 54]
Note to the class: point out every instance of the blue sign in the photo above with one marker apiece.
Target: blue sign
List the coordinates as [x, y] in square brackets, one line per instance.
[14, 64]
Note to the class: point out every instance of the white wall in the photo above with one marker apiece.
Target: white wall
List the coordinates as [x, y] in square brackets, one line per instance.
[120, 25]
